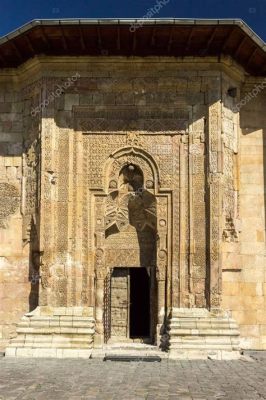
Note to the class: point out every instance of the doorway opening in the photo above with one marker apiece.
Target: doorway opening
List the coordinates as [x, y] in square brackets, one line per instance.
[131, 304]
[139, 303]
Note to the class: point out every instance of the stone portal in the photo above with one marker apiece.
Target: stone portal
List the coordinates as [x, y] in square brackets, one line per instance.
[132, 209]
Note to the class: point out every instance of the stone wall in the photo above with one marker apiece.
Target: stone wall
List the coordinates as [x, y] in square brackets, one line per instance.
[14, 285]
[244, 275]
[18, 205]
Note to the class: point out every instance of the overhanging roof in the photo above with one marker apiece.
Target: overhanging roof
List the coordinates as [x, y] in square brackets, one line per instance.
[136, 37]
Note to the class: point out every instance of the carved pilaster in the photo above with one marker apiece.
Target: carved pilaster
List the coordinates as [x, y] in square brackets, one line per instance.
[183, 225]
[214, 181]
[197, 210]
[47, 209]
[173, 288]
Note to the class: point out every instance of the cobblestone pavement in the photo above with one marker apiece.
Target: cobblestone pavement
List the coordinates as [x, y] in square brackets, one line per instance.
[45, 379]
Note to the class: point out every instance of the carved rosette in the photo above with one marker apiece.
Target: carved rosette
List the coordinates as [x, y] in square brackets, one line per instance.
[134, 139]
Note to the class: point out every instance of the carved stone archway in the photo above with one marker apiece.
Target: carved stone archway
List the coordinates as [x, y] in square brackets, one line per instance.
[128, 232]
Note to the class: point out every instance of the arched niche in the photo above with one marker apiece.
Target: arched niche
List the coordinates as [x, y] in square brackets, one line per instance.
[135, 156]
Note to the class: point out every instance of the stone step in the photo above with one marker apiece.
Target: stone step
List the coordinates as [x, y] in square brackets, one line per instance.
[203, 328]
[131, 349]
[86, 345]
[202, 347]
[130, 358]
[204, 320]
[130, 345]
[48, 352]
[178, 342]
[54, 323]
[59, 335]
[205, 339]
[203, 332]
[196, 332]
[50, 330]
[128, 352]
[51, 339]
[56, 318]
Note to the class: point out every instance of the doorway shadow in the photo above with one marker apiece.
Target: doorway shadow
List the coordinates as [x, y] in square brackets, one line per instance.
[139, 322]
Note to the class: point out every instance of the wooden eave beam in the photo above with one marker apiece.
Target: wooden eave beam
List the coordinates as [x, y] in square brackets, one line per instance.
[170, 39]
[118, 39]
[251, 56]
[64, 39]
[99, 38]
[228, 38]
[15, 47]
[82, 40]
[44, 37]
[134, 42]
[2, 59]
[189, 39]
[152, 42]
[30, 44]
[211, 39]
[239, 47]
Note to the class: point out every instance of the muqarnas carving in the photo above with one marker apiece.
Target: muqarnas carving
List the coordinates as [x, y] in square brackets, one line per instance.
[132, 205]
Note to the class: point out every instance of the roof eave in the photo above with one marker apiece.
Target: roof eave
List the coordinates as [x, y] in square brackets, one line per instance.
[144, 21]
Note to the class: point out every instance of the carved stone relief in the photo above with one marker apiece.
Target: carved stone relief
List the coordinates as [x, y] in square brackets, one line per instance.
[30, 187]
[214, 147]
[130, 118]
[230, 232]
[9, 202]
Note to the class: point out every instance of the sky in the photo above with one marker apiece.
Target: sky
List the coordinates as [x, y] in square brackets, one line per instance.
[15, 13]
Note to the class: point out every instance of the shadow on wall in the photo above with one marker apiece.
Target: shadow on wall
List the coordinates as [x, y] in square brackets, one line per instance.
[34, 267]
